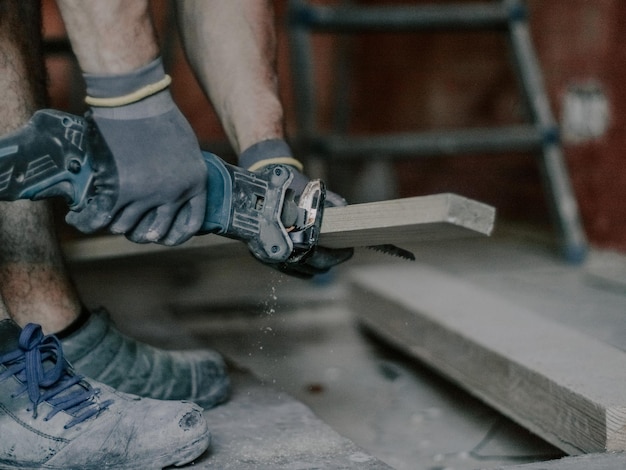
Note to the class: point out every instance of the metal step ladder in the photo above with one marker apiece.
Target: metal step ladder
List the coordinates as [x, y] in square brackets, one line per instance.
[540, 136]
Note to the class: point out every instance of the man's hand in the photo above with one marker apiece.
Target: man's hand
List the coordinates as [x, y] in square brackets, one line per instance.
[150, 176]
[320, 259]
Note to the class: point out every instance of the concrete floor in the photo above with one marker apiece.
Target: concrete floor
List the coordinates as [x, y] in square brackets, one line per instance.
[301, 337]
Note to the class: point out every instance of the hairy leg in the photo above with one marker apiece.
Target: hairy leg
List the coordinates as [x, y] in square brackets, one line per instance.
[33, 280]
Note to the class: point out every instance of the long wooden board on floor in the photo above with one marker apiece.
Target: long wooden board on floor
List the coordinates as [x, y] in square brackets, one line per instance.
[566, 387]
[605, 461]
[398, 221]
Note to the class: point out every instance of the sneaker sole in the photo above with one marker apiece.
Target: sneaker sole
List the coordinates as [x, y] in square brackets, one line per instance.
[183, 456]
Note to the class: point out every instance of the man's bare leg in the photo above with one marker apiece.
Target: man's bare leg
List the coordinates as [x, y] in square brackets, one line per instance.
[4, 313]
[33, 280]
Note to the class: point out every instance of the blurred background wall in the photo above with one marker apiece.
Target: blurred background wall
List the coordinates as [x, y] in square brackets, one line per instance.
[420, 81]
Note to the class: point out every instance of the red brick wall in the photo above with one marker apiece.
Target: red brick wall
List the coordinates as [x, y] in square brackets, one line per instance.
[582, 41]
[424, 81]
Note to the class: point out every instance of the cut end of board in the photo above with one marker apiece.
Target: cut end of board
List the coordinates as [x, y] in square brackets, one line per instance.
[471, 214]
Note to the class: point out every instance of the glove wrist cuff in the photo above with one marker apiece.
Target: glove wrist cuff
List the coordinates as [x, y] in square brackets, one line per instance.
[130, 98]
[277, 161]
[123, 89]
[268, 152]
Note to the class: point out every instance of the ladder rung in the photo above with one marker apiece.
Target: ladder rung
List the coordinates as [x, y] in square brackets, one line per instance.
[522, 138]
[400, 18]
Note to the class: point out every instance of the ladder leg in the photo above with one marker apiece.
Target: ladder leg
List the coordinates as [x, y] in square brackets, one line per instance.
[302, 69]
[556, 179]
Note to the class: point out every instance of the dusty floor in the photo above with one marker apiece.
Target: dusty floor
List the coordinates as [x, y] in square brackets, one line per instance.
[301, 337]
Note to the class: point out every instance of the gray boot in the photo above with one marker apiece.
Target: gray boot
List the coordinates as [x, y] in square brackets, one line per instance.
[51, 418]
[98, 350]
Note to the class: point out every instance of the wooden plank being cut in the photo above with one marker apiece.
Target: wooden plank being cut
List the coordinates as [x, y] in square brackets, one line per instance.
[564, 386]
[409, 220]
[398, 221]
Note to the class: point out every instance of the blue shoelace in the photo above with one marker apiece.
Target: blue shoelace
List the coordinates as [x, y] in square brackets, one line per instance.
[39, 365]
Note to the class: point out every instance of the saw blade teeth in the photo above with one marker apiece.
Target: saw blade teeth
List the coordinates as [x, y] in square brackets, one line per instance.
[393, 250]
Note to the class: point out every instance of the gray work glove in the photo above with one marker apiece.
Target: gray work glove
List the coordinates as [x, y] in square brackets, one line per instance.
[150, 176]
[320, 259]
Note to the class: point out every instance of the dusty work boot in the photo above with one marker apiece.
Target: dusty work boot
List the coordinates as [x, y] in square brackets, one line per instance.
[54, 419]
[98, 350]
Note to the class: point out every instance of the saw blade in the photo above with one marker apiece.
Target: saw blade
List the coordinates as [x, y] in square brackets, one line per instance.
[393, 250]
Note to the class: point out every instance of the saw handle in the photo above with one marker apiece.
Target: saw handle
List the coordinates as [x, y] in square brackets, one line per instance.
[47, 157]
[248, 206]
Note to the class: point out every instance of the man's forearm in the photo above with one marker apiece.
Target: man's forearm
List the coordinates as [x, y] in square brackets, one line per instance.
[231, 46]
[110, 37]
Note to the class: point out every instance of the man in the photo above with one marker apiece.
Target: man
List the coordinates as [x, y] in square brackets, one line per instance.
[154, 190]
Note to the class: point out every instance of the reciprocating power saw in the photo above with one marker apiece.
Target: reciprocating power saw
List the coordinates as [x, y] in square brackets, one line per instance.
[51, 156]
